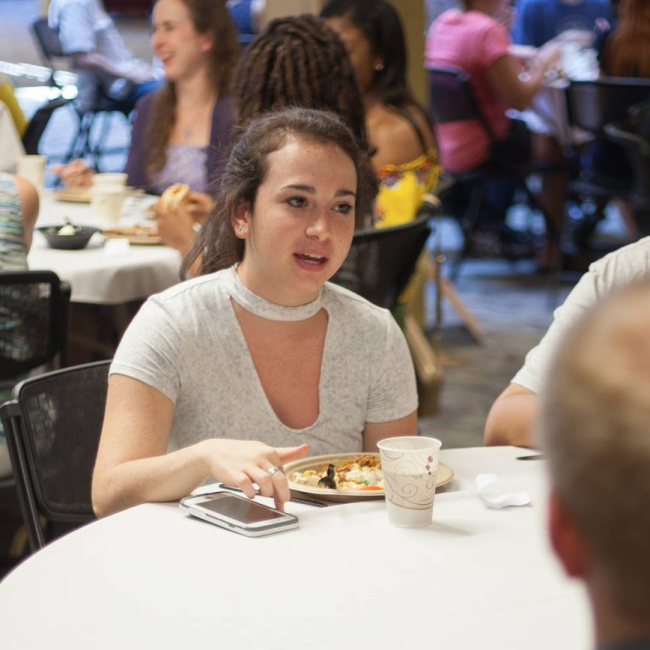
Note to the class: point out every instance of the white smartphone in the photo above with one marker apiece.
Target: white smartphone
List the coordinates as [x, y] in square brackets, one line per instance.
[239, 514]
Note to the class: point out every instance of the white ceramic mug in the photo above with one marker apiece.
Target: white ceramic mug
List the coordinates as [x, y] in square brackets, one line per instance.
[409, 465]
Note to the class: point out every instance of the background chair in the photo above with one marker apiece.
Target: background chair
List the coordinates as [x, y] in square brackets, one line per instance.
[633, 135]
[53, 426]
[452, 100]
[379, 267]
[34, 327]
[381, 261]
[34, 313]
[82, 144]
[37, 125]
[591, 105]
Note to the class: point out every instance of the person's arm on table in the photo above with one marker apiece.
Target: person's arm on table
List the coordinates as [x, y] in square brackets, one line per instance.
[133, 467]
[511, 418]
[376, 431]
[29, 206]
[503, 77]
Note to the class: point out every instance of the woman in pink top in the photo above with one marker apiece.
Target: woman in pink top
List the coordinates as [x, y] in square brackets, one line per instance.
[474, 40]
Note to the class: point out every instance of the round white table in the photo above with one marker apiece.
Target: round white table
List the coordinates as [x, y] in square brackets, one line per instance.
[98, 274]
[152, 577]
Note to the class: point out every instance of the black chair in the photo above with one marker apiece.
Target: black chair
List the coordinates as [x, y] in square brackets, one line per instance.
[34, 315]
[33, 328]
[633, 135]
[381, 261]
[53, 425]
[452, 100]
[591, 105]
[82, 144]
[37, 125]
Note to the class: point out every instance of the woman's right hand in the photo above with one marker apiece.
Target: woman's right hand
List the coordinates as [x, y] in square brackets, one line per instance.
[548, 54]
[242, 463]
[74, 174]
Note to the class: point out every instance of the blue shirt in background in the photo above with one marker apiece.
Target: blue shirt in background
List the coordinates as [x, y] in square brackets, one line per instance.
[538, 21]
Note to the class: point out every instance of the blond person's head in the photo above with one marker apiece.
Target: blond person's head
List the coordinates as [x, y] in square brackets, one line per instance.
[595, 428]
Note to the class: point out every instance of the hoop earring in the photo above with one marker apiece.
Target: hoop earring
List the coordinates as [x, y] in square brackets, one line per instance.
[379, 66]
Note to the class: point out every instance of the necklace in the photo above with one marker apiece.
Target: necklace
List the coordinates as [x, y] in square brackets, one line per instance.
[188, 130]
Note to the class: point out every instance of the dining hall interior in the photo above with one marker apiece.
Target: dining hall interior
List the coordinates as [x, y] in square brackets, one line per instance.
[368, 277]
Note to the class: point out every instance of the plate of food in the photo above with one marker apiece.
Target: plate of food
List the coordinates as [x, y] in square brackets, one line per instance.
[137, 235]
[82, 194]
[345, 477]
[72, 194]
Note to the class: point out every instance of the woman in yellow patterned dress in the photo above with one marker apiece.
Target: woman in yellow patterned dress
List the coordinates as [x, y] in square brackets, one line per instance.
[406, 159]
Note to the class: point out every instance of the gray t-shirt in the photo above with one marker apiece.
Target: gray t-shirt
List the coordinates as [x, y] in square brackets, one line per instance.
[187, 343]
[614, 270]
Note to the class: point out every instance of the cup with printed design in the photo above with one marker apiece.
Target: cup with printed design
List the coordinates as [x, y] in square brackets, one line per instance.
[107, 203]
[409, 465]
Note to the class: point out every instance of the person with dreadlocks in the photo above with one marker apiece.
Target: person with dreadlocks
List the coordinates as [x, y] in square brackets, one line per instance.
[296, 62]
[406, 159]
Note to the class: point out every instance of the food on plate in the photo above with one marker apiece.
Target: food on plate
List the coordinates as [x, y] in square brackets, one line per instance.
[360, 472]
[175, 196]
[67, 230]
[132, 231]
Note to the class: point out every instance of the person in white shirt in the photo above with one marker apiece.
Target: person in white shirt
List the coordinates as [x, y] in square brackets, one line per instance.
[511, 418]
[101, 60]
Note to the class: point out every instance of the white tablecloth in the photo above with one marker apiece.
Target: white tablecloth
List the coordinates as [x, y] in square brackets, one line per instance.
[152, 577]
[95, 276]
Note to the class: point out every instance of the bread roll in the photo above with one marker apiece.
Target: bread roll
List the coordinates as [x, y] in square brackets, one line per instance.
[174, 196]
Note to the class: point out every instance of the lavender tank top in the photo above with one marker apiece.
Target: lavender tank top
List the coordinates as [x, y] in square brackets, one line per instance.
[185, 164]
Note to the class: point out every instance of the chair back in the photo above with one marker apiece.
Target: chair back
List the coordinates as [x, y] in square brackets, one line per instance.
[451, 97]
[47, 40]
[381, 261]
[633, 135]
[37, 125]
[34, 315]
[592, 104]
[53, 426]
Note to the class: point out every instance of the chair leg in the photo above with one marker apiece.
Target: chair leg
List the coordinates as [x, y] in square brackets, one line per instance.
[96, 150]
[75, 140]
[83, 148]
[471, 217]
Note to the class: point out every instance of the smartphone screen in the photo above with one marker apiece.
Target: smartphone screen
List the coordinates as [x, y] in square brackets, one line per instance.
[239, 509]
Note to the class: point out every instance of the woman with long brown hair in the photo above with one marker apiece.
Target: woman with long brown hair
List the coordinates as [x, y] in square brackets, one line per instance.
[240, 370]
[182, 130]
[626, 52]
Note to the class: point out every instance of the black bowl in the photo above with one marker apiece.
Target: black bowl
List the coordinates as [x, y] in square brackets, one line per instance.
[77, 241]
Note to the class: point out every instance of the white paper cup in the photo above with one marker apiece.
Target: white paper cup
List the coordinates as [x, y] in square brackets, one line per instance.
[110, 180]
[409, 465]
[32, 168]
[107, 203]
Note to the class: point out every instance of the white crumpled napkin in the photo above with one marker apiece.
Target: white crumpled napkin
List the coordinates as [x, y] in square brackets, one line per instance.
[117, 247]
[493, 496]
